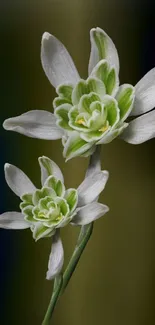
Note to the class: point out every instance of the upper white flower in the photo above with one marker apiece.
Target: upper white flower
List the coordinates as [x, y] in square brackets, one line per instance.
[93, 111]
[50, 208]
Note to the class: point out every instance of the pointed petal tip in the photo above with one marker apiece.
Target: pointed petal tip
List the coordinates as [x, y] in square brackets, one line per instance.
[106, 173]
[107, 208]
[42, 157]
[6, 124]
[95, 29]
[46, 36]
[6, 166]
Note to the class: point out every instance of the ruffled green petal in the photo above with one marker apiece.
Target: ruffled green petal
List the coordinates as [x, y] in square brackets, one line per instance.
[24, 205]
[43, 203]
[79, 90]
[75, 146]
[97, 121]
[27, 198]
[61, 113]
[102, 47]
[28, 213]
[40, 231]
[91, 85]
[56, 185]
[71, 196]
[77, 121]
[58, 101]
[86, 101]
[101, 71]
[45, 191]
[65, 91]
[63, 205]
[49, 167]
[111, 135]
[125, 98]
[112, 110]
[95, 85]
[112, 82]
[94, 135]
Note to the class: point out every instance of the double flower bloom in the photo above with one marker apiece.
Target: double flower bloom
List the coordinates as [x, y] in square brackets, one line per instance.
[93, 111]
[86, 113]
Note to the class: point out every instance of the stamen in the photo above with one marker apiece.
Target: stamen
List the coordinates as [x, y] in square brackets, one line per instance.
[58, 218]
[104, 128]
[42, 215]
[81, 121]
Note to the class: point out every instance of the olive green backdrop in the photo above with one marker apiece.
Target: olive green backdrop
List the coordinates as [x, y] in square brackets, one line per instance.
[114, 283]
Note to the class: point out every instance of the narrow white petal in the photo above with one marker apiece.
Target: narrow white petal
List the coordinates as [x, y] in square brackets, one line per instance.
[91, 187]
[89, 213]
[102, 47]
[145, 94]
[13, 220]
[141, 129]
[49, 167]
[17, 180]
[35, 124]
[56, 258]
[56, 61]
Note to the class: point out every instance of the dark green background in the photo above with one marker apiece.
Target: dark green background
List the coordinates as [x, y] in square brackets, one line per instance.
[114, 283]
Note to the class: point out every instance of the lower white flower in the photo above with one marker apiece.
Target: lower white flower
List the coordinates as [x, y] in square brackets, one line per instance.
[52, 207]
[92, 111]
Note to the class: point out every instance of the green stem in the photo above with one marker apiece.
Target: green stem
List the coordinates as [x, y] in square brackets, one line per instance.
[61, 283]
[56, 291]
[84, 236]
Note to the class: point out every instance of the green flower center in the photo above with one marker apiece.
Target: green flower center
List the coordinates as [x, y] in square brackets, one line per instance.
[49, 208]
[96, 108]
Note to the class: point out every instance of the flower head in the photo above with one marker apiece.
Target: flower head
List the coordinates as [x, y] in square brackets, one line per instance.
[92, 111]
[52, 207]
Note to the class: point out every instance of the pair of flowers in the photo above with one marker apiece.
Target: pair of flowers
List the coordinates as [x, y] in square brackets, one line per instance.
[86, 113]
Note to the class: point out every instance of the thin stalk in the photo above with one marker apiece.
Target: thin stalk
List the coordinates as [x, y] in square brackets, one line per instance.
[84, 236]
[56, 291]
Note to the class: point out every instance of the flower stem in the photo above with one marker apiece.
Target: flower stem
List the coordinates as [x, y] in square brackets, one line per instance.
[60, 282]
[56, 291]
[84, 236]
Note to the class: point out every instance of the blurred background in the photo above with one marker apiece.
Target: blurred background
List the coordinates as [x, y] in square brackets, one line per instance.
[114, 283]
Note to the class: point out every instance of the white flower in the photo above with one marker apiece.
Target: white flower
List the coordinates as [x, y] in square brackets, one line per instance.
[91, 112]
[52, 207]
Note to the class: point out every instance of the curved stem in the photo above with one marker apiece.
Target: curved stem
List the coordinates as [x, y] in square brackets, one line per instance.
[60, 282]
[84, 236]
[56, 291]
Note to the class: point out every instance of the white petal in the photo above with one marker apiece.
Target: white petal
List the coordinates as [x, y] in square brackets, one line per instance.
[35, 124]
[13, 220]
[56, 61]
[17, 180]
[49, 167]
[91, 187]
[104, 49]
[141, 129]
[89, 213]
[56, 258]
[145, 94]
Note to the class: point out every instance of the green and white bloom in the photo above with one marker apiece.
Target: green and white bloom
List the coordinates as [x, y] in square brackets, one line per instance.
[52, 207]
[93, 111]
